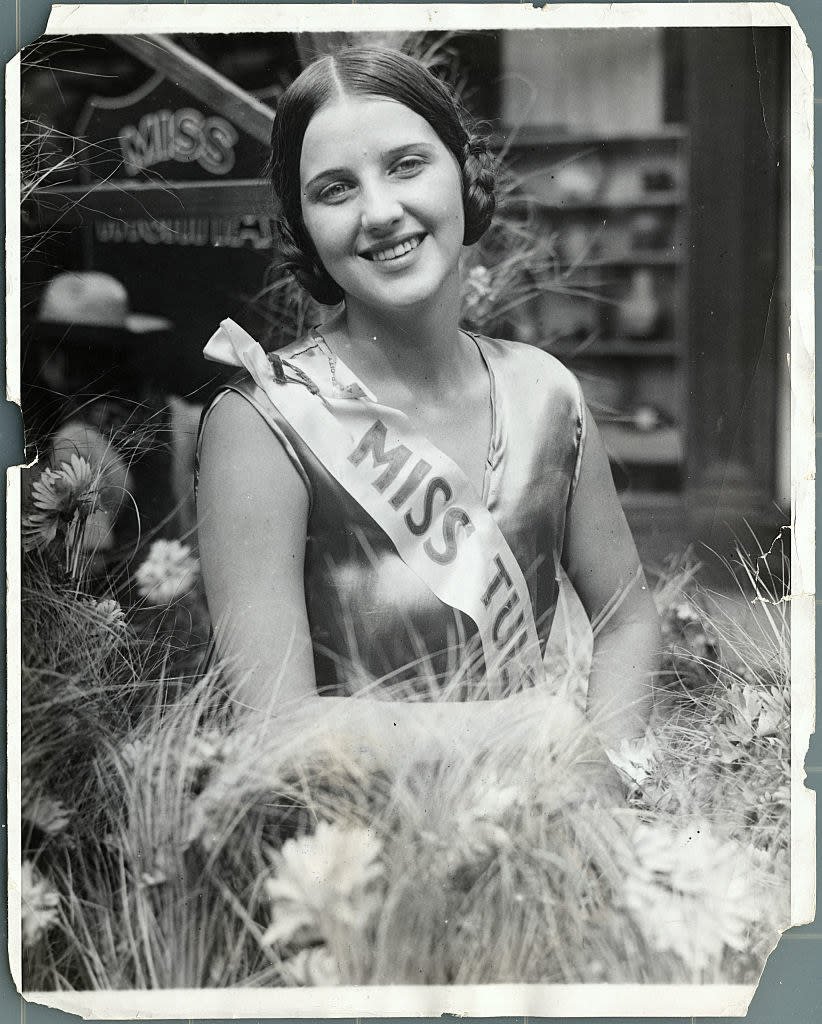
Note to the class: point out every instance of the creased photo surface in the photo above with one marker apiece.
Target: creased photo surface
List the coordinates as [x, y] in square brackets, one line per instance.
[411, 575]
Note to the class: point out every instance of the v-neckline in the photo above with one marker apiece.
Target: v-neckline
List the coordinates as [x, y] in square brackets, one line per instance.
[493, 439]
[337, 363]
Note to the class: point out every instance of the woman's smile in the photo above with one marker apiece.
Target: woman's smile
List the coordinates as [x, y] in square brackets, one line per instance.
[382, 202]
[394, 251]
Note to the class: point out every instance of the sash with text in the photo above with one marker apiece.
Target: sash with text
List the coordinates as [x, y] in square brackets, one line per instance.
[417, 495]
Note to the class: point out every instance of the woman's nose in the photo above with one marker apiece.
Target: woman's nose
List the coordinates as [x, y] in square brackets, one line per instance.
[381, 207]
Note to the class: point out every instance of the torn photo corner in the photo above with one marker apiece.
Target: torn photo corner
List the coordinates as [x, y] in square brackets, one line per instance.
[523, 793]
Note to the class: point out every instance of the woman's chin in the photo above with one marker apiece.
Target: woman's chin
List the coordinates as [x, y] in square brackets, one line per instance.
[404, 296]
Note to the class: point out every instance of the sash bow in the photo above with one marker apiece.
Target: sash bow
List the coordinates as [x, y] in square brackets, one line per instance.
[233, 346]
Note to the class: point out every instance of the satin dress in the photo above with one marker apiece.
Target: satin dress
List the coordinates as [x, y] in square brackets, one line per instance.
[372, 620]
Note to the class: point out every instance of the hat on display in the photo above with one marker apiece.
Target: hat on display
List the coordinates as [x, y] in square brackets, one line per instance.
[92, 302]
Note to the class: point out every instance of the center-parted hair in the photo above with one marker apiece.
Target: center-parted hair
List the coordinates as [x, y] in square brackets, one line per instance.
[369, 71]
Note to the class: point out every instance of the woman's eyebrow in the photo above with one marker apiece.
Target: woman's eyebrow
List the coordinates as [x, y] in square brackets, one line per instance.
[323, 176]
[406, 147]
[388, 155]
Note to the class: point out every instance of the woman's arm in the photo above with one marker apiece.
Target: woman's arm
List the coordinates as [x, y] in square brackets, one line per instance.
[252, 510]
[602, 562]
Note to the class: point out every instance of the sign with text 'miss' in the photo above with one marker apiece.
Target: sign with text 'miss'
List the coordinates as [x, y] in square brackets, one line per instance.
[187, 175]
[176, 205]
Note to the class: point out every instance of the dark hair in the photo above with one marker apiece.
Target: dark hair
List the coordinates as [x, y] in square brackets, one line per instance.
[370, 71]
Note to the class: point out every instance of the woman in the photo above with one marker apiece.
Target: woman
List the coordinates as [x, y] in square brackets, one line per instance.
[391, 497]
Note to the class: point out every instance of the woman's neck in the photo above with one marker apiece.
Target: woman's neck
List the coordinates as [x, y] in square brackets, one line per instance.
[423, 350]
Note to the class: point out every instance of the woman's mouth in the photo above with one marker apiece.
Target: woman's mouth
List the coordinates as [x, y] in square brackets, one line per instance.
[394, 252]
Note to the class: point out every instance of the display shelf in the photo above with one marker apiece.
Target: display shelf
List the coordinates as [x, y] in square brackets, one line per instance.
[617, 205]
[628, 445]
[554, 138]
[639, 258]
[644, 500]
[651, 200]
[605, 348]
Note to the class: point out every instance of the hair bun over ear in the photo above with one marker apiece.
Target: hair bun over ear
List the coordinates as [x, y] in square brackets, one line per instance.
[297, 257]
[478, 184]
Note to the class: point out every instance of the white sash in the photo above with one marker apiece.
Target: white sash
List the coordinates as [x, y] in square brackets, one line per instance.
[420, 497]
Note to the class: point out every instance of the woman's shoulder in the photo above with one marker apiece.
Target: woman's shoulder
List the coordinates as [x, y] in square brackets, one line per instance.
[232, 406]
[240, 418]
[523, 352]
[545, 408]
[530, 366]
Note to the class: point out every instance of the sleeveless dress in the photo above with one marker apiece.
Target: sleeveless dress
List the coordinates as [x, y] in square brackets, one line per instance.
[372, 620]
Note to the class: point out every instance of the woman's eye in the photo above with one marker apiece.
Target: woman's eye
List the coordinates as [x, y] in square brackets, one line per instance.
[409, 165]
[334, 192]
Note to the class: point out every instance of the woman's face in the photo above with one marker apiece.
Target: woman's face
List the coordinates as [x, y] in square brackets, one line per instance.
[382, 202]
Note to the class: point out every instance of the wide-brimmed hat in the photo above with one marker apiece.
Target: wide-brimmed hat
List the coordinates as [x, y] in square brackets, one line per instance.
[94, 304]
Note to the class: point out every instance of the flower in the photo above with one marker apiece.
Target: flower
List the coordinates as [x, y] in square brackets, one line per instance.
[58, 490]
[110, 611]
[39, 530]
[206, 751]
[63, 499]
[312, 966]
[479, 279]
[684, 613]
[323, 880]
[755, 712]
[208, 748]
[494, 801]
[134, 753]
[44, 812]
[478, 835]
[689, 891]
[39, 904]
[168, 572]
[636, 759]
[478, 293]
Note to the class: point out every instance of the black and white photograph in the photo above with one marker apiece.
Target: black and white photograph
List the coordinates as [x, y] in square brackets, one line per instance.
[416, 511]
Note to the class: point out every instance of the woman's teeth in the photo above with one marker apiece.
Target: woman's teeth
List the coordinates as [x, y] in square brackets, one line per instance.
[397, 250]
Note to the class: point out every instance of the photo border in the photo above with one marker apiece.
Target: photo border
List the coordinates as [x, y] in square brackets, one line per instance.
[730, 1000]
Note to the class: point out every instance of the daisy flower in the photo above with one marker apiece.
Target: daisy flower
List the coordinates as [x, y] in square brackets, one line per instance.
[324, 880]
[689, 891]
[44, 812]
[636, 759]
[61, 489]
[63, 500]
[755, 712]
[169, 572]
[39, 904]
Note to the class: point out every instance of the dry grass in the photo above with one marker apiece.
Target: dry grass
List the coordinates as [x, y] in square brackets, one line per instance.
[202, 851]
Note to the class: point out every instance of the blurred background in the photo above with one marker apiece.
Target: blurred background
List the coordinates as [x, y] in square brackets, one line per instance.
[643, 238]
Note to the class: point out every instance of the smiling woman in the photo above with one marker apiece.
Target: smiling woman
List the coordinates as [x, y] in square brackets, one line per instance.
[383, 204]
[386, 505]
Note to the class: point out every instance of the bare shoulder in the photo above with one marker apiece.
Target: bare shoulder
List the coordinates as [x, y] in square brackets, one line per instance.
[230, 419]
[532, 366]
[241, 454]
